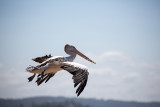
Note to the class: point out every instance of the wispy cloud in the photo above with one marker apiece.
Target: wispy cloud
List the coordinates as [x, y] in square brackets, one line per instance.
[116, 57]
[119, 58]
[109, 71]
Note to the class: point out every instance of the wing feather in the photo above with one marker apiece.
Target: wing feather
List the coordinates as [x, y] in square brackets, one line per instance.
[45, 78]
[80, 75]
[42, 59]
[50, 76]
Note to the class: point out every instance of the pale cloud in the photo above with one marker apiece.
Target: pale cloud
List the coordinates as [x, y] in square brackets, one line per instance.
[113, 57]
[149, 65]
[132, 75]
[119, 58]
[11, 77]
[103, 71]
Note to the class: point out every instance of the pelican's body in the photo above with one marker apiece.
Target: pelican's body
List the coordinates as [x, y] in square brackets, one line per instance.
[52, 67]
[49, 65]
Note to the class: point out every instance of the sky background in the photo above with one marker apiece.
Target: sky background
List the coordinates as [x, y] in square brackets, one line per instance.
[121, 36]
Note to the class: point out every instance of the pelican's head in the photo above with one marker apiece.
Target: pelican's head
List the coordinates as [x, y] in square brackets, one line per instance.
[70, 49]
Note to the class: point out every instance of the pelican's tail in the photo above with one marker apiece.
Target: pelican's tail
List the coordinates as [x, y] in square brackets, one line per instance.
[31, 69]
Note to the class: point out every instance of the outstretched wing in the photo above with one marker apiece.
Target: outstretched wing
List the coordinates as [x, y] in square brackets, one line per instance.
[41, 59]
[80, 74]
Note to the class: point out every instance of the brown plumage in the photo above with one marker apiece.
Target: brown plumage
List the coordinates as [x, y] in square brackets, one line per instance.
[42, 59]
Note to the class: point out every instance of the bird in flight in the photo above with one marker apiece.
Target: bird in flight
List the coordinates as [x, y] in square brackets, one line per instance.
[50, 65]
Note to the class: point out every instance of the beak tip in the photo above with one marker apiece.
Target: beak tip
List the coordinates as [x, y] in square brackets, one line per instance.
[82, 55]
[93, 62]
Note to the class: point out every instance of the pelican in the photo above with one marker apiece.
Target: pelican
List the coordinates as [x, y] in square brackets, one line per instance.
[50, 65]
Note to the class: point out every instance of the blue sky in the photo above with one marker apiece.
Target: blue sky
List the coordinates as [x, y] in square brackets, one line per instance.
[122, 36]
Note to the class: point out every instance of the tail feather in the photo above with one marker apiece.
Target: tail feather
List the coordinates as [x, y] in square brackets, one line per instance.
[31, 68]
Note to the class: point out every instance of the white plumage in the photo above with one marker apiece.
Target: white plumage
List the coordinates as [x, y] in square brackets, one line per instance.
[50, 65]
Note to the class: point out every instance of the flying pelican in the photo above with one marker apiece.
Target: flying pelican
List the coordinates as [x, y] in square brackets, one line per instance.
[49, 65]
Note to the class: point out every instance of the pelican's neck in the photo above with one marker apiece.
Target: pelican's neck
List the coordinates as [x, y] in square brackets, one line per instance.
[71, 57]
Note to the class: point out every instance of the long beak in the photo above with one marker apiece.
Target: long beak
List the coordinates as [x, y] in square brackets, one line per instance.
[83, 56]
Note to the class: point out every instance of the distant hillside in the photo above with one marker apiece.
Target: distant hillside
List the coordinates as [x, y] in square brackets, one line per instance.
[71, 102]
